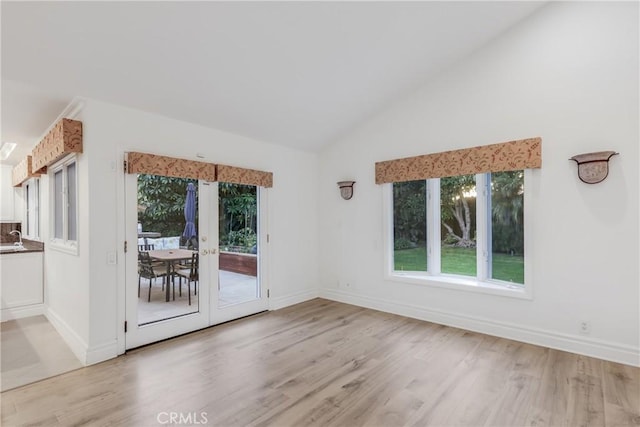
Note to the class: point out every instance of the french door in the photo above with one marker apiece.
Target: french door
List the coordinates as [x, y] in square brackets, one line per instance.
[190, 266]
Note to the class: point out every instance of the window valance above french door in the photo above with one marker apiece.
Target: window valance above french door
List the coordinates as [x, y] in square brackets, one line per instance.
[182, 168]
[237, 175]
[505, 156]
[154, 164]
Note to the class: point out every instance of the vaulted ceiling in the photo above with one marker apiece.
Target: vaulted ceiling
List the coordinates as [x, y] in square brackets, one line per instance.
[298, 74]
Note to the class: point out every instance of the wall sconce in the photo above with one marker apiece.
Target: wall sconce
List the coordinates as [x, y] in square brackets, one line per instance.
[346, 189]
[593, 167]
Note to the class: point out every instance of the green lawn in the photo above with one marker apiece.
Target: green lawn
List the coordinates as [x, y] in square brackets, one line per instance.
[461, 261]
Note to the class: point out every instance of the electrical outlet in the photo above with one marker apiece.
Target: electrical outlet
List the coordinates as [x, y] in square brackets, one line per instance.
[585, 327]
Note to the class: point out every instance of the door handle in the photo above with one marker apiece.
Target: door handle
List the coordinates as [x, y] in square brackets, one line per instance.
[204, 252]
[213, 251]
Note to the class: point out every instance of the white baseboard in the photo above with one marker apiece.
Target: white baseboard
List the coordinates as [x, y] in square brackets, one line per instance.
[291, 299]
[600, 349]
[20, 312]
[102, 352]
[73, 340]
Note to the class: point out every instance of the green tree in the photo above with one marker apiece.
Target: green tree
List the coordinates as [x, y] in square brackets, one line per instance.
[409, 214]
[161, 202]
[507, 209]
[455, 193]
[238, 215]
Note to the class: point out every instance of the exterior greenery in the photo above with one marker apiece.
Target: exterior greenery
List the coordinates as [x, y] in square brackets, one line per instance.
[161, 203]
[238, 217]
[507, 209]
[457, 211]
[458, 225]
[462, 261]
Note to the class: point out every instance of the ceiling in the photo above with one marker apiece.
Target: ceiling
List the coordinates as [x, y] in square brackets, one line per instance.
[298, 74]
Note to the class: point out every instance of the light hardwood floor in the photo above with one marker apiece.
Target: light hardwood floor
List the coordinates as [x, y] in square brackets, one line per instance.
[326, 363]
[31, 350]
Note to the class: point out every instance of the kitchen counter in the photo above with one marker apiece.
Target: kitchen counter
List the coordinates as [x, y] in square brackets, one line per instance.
[29, 246]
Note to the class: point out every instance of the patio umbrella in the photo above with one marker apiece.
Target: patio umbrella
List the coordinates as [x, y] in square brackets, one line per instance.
[190, 212]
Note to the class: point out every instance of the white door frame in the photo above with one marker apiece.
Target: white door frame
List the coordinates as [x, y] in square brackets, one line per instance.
[121, 193]
[140, 335]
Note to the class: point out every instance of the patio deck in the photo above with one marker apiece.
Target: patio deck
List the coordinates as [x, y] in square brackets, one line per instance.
[234, 288]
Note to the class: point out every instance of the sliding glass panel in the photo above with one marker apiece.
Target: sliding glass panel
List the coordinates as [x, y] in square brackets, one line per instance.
[239, 245]
[410, 226]
[168, 259]
[507, 226]
[458, 225]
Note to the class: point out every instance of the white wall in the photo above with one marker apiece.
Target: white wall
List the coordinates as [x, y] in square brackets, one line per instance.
[67, 276]
[111, 130]
[569, 74]
[10, 197]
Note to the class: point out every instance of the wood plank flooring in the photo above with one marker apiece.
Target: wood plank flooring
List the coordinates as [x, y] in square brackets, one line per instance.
[31, 350]
[332, 364]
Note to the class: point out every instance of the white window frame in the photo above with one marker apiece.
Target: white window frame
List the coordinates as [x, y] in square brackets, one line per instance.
[63, 244]
[31, 212]
[482, 283]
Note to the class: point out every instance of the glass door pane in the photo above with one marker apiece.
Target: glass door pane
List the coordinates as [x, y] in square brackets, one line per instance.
[238, 243]
[167, 245]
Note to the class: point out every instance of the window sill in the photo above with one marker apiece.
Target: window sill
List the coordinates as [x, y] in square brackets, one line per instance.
[460, 283]
[70, 248]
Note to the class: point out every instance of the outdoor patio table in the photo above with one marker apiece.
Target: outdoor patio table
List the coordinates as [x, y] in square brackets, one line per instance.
[170, 256]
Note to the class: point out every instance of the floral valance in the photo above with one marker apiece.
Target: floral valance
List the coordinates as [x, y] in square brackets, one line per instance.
[23, 171]
[65, 137]
[182, 168]
[170, 166]
[237, 175]
[505, 156]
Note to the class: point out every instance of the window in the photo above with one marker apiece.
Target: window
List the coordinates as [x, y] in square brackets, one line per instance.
[465, 232]
[459, 225]
[31, 189]
[65, 204]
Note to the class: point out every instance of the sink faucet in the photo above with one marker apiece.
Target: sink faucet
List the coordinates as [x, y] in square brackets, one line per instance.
[19, 234]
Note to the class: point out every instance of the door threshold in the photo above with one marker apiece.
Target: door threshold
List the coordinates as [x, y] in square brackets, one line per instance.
[190, 332]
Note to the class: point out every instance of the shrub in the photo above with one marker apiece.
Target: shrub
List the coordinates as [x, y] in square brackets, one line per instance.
[402, 243]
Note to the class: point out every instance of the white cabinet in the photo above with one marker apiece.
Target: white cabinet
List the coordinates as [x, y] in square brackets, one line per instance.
[21, 286]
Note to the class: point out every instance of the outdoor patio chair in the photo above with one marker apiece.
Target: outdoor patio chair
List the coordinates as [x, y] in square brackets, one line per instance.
[191, 274]
[148, 270]
[191, 243]
[146, 248]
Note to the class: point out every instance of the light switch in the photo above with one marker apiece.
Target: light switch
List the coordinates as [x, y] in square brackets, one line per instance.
[112, 258]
